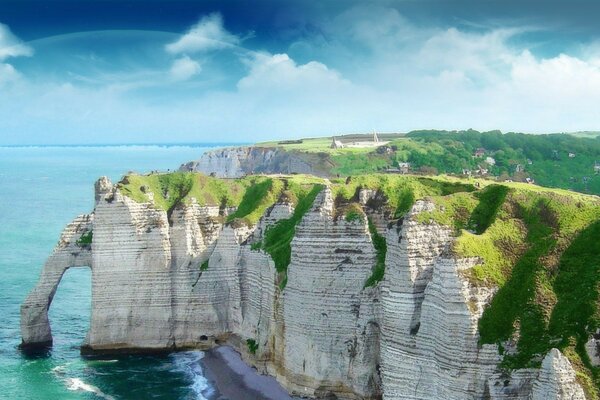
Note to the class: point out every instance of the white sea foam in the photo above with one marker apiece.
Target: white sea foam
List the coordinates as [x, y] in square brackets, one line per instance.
[59, 370]
[188, 362]
[77, 384]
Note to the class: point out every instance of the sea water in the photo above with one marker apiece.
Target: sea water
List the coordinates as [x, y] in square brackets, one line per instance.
[41, 190]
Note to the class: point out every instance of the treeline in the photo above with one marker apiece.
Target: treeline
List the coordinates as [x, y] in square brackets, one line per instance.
[556, 160]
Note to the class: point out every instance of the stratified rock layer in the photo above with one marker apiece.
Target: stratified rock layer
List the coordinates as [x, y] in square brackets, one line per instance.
[235, 162]
[184, 279]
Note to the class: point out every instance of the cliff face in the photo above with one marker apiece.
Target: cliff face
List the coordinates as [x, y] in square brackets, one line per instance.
[235, 162]
[184, 278]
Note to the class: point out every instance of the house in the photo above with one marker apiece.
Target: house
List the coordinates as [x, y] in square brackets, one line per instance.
[571, 155]
[404, 167]
[597, 167]
[466, 172]
[480, 152]
[336, 144]
[482, 171]
[529, 162]
[529, 180]
[490, 160]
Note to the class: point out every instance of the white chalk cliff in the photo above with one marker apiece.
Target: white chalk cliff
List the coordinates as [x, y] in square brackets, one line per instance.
[234, 162]
[412, 336]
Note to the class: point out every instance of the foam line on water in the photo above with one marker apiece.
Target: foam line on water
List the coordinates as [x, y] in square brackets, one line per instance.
[188, 362]
[76, 384]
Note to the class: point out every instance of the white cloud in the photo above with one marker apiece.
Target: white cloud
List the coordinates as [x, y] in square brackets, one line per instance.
[11, 46]
[184, 68]
[8, 74]
[368, 70]
[208, 34]
[280, 72]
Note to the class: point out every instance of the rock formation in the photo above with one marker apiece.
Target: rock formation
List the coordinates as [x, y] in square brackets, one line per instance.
[235, 162]
[184, 278]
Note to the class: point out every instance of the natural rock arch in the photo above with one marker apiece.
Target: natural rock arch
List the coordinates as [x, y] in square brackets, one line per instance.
[72, 250]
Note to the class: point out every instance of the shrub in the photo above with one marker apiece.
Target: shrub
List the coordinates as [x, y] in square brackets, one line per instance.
[85, 239]
[204, 266]
[252, 346]
[279, 236]
[381, 248]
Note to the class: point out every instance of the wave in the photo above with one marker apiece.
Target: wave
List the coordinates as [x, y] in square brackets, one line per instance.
[188, 362]
[77, 384]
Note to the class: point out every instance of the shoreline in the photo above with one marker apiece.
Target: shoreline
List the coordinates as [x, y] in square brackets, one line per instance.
[232, 379]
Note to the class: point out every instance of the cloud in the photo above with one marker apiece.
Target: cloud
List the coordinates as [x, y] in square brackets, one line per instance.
[279, 72]
[208, 34]
[184, 68]
[11, 46]
[8, 74]
[369, 68]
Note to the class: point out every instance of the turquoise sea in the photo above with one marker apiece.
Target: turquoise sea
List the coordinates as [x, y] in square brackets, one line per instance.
[41, 190]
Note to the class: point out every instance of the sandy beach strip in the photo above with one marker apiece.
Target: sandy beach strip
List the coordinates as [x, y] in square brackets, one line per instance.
[235, 380]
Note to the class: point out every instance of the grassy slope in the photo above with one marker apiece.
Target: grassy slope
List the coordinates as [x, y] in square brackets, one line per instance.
[545, 158]
[539, 246]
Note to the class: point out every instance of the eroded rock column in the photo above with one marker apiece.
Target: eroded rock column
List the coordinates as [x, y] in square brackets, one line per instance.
[35, 326]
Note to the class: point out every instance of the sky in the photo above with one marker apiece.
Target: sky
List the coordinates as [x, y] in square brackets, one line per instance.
[107, 71]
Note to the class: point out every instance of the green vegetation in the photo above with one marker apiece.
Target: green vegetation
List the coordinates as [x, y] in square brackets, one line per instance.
[167, 190]
[204, 266]
[542, 250]
[576, 313]
[399, 190]
[490, 200]
[542, 157]
[498, 247]
[557, 160]
[451, 210]
[262, 194]
[278, 237]
[353, 212]
[252, 346]
[381, 248]
[85, 239]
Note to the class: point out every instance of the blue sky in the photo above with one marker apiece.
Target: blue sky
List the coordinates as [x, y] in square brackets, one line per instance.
[186, 71]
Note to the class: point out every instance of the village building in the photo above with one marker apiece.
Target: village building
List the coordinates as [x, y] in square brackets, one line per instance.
[336, 144]
[404, 167]
[480, 152]
[490, 160]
